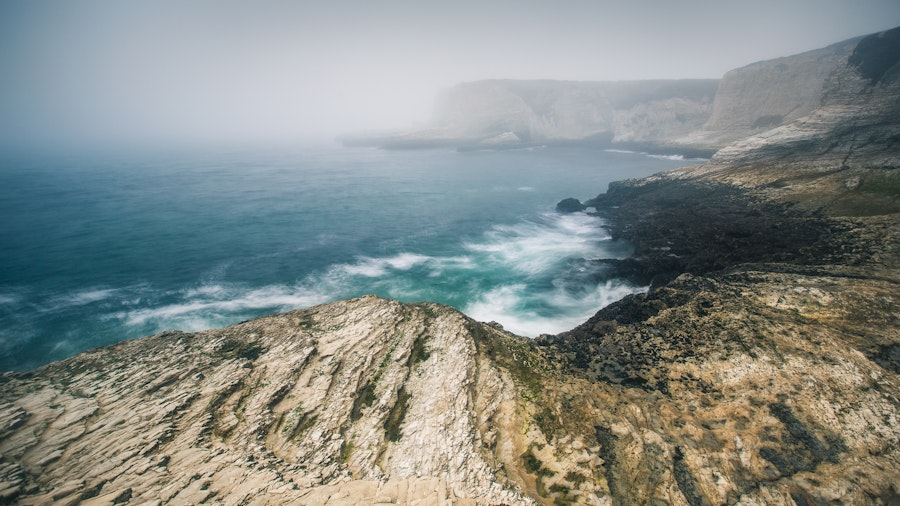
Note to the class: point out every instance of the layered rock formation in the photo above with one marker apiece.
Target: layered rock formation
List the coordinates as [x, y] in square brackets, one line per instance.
[762, 367]
[362, 401]
[856, 121]
[768, 94]
[693, 117]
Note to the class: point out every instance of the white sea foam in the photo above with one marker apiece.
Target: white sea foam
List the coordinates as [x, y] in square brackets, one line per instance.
[200, 309]
[539, 250]
[370, 267]
[667, 157]
[9, 299]
[89, 296]
[206, 291]
[527, 257]
[377, 267]
[78, 298]
[514, 307]
[535, 247]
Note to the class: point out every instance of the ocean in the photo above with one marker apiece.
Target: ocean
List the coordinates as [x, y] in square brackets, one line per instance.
[97, 248]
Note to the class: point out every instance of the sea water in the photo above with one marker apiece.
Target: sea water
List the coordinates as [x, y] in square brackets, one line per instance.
[95, 249]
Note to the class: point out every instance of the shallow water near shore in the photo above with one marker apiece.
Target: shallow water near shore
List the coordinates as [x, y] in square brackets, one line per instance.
[96, 249]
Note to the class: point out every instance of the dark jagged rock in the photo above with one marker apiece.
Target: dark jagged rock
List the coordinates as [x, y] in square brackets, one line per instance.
[687, 226]
[570, 205]
[876, 54]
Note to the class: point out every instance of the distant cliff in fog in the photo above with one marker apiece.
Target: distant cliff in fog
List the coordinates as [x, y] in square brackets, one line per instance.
[693, 116]
[511, 113]
[566, 111]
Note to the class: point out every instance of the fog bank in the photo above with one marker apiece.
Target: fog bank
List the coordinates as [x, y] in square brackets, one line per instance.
[277, 71]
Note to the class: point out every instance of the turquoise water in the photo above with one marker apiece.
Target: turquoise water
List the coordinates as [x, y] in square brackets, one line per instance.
[96, 249]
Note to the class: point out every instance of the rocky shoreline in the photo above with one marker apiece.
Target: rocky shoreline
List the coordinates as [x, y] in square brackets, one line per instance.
[764, 301]
[762, 367]
[679, 224]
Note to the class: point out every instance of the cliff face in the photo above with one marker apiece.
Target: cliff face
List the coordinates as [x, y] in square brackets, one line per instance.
[691, 116]
[767, 94]
[856, 121]
[554, 111]
[763, 366]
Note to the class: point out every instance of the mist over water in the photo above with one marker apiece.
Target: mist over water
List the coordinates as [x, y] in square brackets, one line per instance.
[98, 249]
[154, 73]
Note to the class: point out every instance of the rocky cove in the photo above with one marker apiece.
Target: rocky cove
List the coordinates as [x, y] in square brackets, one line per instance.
[761, 367]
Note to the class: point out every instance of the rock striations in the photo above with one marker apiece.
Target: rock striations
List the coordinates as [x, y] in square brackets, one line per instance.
[767, 94]
[761, 367]
[363, 401]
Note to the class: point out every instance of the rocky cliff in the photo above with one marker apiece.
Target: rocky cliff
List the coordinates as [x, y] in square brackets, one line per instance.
[762, 366]
[363, 401]
[694, 117]
[768, 94]
[559, 111]
[855, 122]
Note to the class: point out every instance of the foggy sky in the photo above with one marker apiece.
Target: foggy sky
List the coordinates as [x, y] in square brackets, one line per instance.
[114, 71]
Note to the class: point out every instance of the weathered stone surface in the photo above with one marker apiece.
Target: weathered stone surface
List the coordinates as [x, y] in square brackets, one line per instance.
[769, 373]
[768, 94]
[855, 123]
[762, 365]
[356, 402]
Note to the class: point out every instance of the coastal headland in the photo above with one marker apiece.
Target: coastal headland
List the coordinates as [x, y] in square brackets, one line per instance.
[762, 366]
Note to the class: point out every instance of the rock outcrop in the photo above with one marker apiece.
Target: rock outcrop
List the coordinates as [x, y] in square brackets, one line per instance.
[362, 401]
[774, 271]
[855, 123]
[565, 111]
[762, 367]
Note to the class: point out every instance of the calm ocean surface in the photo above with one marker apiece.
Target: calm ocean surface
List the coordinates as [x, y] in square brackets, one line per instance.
[96, 249]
